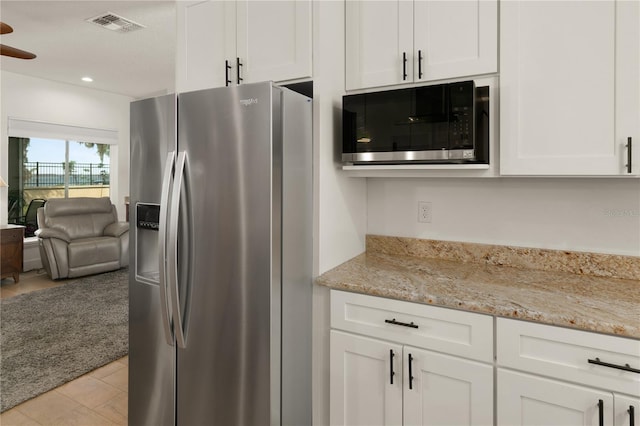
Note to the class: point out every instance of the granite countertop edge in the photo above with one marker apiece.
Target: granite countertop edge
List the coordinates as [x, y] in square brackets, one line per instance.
[596, 304]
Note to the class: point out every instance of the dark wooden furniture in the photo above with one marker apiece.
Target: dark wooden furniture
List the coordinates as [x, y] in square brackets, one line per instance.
[11, 249]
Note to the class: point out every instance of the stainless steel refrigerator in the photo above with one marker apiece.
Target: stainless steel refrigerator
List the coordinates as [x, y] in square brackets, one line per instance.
[220, 282]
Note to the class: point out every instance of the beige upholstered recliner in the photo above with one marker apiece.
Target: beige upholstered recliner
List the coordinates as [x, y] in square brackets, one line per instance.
[81, 236]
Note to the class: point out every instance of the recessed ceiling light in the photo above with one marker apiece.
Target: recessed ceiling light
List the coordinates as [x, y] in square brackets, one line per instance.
[87, 79]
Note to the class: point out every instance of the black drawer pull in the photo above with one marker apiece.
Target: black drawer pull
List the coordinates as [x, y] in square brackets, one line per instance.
[404, 324]
[625, 367]
[632, 415]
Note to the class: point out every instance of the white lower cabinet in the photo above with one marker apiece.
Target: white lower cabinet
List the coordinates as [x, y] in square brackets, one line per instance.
[626, 410]
[525, 399]
[381, 379]
[529, 400]
[565, 377]
[446, 390]
[400, 363]
[374, 382]
[362, 389]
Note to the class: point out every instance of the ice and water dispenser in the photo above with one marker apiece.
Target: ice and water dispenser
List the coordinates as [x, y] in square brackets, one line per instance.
[147, 256]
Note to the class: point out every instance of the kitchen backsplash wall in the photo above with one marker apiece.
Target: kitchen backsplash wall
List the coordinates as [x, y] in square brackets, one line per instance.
[590, 215]
[575, 262]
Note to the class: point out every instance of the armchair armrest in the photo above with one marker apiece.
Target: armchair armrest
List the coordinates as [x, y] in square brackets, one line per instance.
[53, 233]
[116, 229]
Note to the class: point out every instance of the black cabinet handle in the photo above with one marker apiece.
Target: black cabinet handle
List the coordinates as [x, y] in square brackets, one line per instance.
[238, 65]
[632, 416]
[227, 67]
[391, 355]
[410, 371]
[600, 412]
[628, 146]
[419, 63]
[625, 367]
[404, 324]
[404, 65]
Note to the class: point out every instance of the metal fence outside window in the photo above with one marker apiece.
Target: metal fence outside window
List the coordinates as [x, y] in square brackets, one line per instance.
[39, 174]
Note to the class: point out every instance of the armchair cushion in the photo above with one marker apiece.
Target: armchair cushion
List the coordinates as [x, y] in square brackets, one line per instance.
[91, 251]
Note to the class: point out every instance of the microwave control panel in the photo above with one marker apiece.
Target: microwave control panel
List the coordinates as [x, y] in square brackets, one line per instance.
[462, 117]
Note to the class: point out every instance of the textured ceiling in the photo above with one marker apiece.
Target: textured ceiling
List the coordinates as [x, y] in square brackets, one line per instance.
[137, 64]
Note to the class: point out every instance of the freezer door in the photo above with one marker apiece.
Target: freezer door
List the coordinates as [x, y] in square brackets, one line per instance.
[228, 373]
[151, 348]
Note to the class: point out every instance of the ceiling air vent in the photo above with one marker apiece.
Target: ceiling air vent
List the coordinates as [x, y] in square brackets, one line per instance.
[116, 23]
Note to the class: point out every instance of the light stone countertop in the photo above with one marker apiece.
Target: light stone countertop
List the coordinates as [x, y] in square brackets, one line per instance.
[592, 303]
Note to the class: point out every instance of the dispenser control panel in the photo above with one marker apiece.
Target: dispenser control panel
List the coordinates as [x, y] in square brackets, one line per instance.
[148, 216]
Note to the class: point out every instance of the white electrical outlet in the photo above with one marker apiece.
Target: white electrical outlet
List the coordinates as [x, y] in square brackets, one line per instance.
[424, 212]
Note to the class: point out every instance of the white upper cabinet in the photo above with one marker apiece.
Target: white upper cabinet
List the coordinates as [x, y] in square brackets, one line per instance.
[569, 87]
[206, 40]
[454, 38]
[378, 35]
[395, 42]
[233, 42]
[274, 39]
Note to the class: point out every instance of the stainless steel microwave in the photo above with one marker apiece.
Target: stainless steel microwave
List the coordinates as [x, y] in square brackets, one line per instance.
[444, 123]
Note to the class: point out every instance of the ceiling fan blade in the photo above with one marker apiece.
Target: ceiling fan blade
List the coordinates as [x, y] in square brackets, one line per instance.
[15, 53]
[5, 28]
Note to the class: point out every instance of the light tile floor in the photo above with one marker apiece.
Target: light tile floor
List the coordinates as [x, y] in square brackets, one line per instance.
[95, 399]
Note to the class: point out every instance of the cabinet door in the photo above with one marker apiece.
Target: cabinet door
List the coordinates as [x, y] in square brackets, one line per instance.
[446, 390]
[378, 34]
[623, 411]
[569, 84]
[205, 40]
[361, 392]
[532, 400]
[455, 38]
[274, 40]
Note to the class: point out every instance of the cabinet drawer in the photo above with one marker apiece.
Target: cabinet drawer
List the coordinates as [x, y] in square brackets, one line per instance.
[445, 330]
[11, 236]
[564, 354]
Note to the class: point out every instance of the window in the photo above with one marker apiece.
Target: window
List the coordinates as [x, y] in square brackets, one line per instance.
[41, 169]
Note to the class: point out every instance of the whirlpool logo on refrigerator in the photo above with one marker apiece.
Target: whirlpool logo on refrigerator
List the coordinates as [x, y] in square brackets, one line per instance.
[247, 102]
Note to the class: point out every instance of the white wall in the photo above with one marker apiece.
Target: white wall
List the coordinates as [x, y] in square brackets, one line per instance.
[340, 201]
[36, 99]
[594, 215]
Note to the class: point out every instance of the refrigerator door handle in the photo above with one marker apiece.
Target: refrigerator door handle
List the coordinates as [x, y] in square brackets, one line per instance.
[162, 266]
[179, 323]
